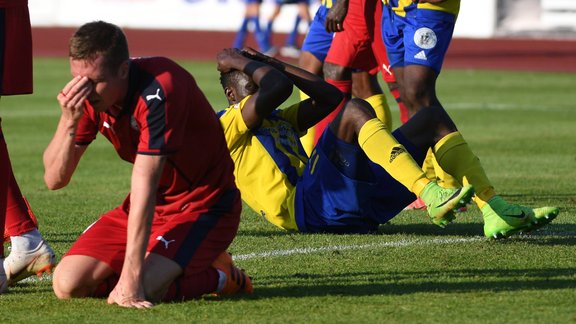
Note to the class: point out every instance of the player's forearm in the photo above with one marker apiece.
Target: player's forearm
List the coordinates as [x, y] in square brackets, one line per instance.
[61, 156]
[137, 240]
[313, 85]
[145, 177]
[274, 85]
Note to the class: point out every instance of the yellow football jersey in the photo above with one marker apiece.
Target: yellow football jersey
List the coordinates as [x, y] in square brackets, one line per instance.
[267, 161]
[399, 6]
[327, 3]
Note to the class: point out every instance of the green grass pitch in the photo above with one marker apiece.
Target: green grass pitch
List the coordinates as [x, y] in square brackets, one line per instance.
[522, 125]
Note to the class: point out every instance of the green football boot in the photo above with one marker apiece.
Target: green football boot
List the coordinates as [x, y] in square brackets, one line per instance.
[542, 216]
[442, 203]
[502, 219]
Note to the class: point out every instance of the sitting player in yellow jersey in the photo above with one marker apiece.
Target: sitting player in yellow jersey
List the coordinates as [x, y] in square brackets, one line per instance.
[359, 174]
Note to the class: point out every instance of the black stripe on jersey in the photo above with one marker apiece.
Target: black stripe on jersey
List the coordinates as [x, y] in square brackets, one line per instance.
[153, 95]
[202, 227]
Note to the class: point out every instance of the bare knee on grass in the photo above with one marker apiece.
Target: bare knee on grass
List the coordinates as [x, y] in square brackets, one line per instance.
[78, 276]
[159, 273]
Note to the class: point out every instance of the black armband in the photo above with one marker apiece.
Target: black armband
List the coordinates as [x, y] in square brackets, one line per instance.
[251, 67]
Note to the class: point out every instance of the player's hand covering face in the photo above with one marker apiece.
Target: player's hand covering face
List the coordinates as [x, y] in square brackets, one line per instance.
[72, 97]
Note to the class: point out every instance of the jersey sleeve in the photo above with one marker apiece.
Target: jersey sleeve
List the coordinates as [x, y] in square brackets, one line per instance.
[233, 123]
[161, 115]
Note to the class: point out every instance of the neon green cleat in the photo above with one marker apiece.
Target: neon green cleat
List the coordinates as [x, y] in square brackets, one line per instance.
[542, 216]
[502, 219]
[442, 203]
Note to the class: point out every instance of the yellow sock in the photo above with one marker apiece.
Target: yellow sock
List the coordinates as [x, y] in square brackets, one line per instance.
[380, 105]
[435, 173]
[455, 156]
[428, 165]
[382, 148]
[308, 139]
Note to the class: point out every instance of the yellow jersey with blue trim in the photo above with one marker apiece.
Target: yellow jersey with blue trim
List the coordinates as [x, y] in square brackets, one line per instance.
[268, 161]
[400, 7]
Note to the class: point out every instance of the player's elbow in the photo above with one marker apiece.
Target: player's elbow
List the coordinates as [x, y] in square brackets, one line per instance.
[54, 183]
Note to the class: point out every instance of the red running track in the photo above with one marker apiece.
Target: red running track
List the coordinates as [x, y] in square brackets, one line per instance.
[499, 53]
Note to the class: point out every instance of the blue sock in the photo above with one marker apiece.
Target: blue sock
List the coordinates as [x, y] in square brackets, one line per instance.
[260, 36]
[241, 34]
[291, 40]
[268, 32]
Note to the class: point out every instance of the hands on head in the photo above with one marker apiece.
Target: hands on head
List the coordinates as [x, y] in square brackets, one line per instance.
[228, 58]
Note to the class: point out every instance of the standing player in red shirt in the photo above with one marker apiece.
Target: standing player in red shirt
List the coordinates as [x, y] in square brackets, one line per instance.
[357, 46]
[168, 240]
[30, 254]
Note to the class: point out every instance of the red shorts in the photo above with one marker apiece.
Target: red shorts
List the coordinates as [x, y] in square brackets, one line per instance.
[15, 49]
[360, 45]
[192, 239]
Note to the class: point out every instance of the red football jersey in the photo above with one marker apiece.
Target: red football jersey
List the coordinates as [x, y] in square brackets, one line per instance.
[165, 113]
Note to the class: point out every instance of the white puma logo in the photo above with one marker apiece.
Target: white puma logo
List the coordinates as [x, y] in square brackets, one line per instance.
[163, 240]
[156, 96]
[387, 69]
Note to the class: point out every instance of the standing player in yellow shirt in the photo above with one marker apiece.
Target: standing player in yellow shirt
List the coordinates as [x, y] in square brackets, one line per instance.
[417, 35]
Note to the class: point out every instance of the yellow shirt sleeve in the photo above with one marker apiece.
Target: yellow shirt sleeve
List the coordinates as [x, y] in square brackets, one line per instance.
[233, 125]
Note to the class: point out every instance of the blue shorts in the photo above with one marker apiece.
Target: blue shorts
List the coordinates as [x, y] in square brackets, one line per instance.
[318, 40]
[342, 191]
[421, 37]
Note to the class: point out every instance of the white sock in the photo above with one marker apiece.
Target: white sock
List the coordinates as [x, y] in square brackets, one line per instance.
[221, 280]
[26, 242]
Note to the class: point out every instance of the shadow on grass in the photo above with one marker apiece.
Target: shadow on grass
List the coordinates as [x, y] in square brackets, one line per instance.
[27, 287]
[472, 229]
[552, 234]
[62, 237]
[456, 281]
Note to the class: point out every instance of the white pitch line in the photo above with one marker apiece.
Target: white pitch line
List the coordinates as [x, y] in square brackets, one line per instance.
[322, 249]
[312, 250]
[401, 243]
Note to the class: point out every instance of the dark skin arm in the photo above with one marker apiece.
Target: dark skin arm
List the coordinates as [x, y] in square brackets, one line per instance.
[273, 86]
[335, 17]
[324, 97]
